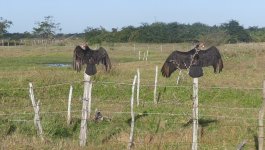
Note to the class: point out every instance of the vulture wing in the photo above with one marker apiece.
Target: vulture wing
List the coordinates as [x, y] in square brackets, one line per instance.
[211, 57]
[176, 60]
[78, 58]
[96, 57]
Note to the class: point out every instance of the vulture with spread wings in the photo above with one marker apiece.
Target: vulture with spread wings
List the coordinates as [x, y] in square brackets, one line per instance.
[84, 55]
[183, 60]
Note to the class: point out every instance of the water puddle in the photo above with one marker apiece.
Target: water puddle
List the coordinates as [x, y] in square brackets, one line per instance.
[59, 65]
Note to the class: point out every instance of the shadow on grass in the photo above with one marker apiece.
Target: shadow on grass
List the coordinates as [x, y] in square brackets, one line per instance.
[118, 129]
[202, 122]
[138, 116]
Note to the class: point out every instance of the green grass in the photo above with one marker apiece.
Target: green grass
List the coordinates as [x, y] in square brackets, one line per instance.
[228, 102]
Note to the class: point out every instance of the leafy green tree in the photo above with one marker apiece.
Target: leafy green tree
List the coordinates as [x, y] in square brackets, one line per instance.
[95, 35]
[236, 32]
[175, 32]
[257, 34]
[4, 25]
[47, 28]
[126, 34]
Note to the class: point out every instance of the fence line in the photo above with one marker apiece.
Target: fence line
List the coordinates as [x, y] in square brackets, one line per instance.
[141, 113]
[144, 101]
[167, 114]
[129, 84]
[145, 132]
[187, 142]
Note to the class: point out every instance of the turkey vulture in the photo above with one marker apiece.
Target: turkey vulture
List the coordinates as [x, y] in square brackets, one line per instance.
[183, 60]
[85, 55]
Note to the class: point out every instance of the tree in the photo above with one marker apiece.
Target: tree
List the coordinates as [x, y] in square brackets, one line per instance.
[4, 25]
[236, 32]
[95, 35]
[125, 34]
[47, 28]
[257, 34]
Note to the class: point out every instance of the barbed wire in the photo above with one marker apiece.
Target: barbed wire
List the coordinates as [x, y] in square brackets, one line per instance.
[139, 113]
[220, 143]
[130, 84]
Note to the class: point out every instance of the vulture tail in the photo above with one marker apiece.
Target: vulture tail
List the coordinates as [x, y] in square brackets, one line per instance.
[91, 69]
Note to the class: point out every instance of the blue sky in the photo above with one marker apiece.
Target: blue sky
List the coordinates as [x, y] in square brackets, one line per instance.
[76, 15]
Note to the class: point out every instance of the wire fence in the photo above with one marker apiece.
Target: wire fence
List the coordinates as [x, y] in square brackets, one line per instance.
[164, 101]
[235, 114]
[180, 109]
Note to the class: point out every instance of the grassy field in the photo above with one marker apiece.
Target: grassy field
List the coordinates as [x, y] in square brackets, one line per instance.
[228, 102]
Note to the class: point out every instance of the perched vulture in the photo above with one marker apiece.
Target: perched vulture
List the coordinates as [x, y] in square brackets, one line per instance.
[183, 60]
[84, 55]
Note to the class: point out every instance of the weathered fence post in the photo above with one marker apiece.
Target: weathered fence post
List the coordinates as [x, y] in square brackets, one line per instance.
[69, 105]
[89, 99]
[138, 86]
[180, 71]
[83, 128]
[147, 53]
[36, 110]
[195, 115]
[130, 145]
[155, 86]
[261, 116]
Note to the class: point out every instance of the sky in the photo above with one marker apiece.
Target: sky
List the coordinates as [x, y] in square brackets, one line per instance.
[75, 16]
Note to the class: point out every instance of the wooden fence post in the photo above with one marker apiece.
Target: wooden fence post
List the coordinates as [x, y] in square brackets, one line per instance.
[261, 117]
[155, 86]
[130, 145]
[69, 105]
[139, 55]
[147, 53]
[195, 114]
[89, 98]
[36, 110]
[83, 128]
[138, 86]
[180, 71]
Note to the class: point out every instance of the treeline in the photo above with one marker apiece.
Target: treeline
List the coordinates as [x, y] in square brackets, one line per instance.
[159, 32]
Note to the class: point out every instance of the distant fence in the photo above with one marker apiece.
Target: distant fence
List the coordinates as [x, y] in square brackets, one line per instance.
[33, 42]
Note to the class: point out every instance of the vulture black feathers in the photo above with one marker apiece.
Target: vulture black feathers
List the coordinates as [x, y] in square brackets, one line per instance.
[183, 60]
[84, 55]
